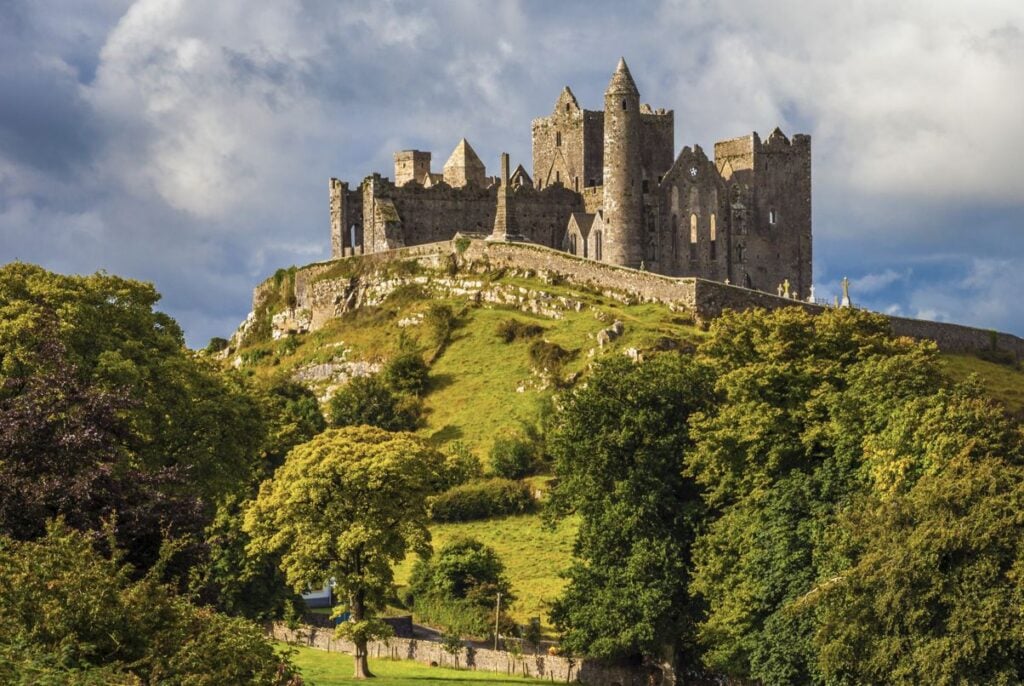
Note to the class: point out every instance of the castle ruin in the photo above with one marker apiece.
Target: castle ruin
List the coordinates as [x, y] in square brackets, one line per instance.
[606, 186]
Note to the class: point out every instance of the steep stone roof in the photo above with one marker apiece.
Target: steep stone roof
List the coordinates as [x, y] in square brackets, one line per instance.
[584, 222]
[622, 80]
[464, 156]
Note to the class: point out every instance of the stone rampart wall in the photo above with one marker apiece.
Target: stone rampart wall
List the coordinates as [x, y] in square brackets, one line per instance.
[321, 293]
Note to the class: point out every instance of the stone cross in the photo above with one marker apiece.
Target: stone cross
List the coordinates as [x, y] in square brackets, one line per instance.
[845, 302]
[810, 298]
[785, 289]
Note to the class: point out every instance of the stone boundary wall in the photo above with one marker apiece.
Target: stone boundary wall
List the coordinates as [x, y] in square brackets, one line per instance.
[550, 667]
[706, 300]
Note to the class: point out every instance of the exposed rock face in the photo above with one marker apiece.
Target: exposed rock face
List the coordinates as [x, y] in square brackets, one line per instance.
[606, 336]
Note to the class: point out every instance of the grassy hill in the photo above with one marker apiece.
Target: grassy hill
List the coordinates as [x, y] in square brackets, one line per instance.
[481, 386]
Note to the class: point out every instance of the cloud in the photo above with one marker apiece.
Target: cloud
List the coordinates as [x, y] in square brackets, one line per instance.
[189, 143]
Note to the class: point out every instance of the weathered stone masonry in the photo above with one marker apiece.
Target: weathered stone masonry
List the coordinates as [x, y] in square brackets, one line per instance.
[607, 186]
[323, 297]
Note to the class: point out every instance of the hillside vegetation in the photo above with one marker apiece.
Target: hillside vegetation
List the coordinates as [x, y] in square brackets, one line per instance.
[482, 386]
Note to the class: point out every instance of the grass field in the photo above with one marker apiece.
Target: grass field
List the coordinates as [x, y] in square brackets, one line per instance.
[1002, 382]
[320, 668]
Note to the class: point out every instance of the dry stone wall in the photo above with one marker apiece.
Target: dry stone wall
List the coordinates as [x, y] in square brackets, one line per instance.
[550, 667]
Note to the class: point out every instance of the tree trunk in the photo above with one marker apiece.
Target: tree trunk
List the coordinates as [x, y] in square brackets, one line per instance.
[667, 663]
[362, 665]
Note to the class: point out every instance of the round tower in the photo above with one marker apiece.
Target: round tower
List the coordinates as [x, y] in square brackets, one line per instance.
[622, 240]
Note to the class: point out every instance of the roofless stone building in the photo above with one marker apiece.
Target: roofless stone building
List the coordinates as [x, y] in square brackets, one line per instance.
[606, 186]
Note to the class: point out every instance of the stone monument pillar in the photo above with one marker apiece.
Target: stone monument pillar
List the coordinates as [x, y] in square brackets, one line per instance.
[504, 216]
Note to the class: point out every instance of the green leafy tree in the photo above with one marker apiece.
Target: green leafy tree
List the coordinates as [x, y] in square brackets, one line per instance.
[367, 400]
[347, 506]
[778, 455]
[933, 588]
[618, 443]
[458, 588]
[74, 616]
[292, 416]
[184, 413]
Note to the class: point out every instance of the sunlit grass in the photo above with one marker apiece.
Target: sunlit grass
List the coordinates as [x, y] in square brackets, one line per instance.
[321, 668]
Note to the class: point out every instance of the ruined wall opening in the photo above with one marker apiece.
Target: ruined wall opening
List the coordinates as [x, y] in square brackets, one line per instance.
[714, 237]
[693, 237]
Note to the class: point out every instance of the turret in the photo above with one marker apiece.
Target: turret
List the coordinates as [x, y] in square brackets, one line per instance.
[623, 182]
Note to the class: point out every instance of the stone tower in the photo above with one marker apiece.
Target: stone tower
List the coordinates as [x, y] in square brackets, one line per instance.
[623, 183]
[411, 165]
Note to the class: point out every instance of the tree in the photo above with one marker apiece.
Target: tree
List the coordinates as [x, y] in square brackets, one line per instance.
[74, 616]
[346, 506]
[458, 588]
[779, 455]
[933, 588]
[183, 413]
[618, 443]
[65, 451]
[368, 400]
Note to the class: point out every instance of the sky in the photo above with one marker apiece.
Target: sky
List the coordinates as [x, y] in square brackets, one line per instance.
[189, 143]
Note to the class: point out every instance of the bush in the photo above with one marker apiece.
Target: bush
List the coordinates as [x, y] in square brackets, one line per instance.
[480, 500]
[72, 616]
[407, 373]
[458, 587]
[460, 466]
[440, 320]
[549, 357]
[368, 400]
[512, 457]
[216, 344]
[516, 330]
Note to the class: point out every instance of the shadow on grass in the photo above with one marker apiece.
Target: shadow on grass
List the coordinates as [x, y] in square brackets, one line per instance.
[447, 433]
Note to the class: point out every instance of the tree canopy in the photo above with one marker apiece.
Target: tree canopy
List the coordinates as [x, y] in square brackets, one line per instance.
[617, 442]
[345, 507]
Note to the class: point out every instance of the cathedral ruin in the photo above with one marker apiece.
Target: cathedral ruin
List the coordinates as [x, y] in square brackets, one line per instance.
[606, 186]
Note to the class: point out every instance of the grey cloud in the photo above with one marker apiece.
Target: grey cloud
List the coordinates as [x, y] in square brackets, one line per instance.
[198, 137]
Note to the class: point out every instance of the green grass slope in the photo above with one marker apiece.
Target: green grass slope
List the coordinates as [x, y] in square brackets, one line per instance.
[481, 386]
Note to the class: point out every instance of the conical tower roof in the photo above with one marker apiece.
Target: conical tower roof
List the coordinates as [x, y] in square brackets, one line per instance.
[622, 80]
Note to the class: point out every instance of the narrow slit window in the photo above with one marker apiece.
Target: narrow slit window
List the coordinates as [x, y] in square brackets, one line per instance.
[773, 216]
[693, 237]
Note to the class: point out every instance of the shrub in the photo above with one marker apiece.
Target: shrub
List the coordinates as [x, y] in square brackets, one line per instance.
[458, 587]
[549, 357]
[368, 400]
[407, 373]
[73, 616]
[440, 320]
[216, 344]
[512, 457]
[480, 500]
[460, 466]
[516, 330]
